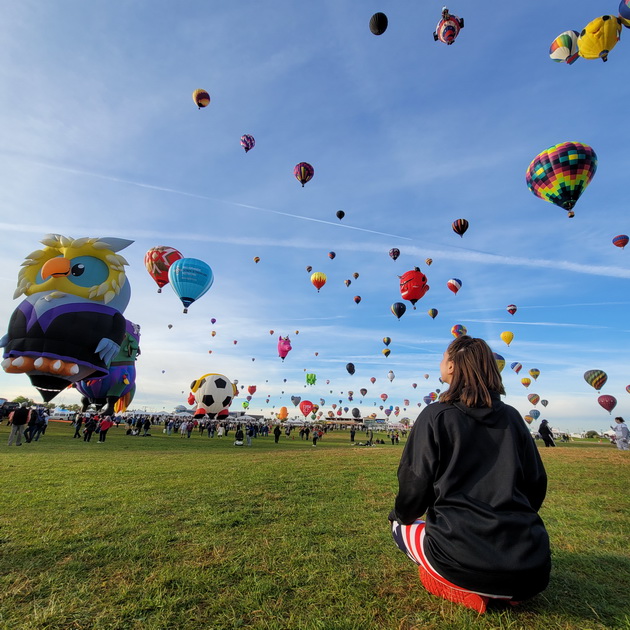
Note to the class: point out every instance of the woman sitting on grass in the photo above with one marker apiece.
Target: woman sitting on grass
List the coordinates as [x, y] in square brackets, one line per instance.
[472, 466]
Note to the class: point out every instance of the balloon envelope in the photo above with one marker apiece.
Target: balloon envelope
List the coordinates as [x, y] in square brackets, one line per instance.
[460, 226]
[511, 309]
[303, 172]
[458, 330]
[398, 309]
[201, 98]
[507, 337]
[247, 142]
[596, 378]
[564, 48]
[432, 313]
[394, 253]
[620, 241]
[454, 284]
[607, 402]
[378, 23]
[190, 278]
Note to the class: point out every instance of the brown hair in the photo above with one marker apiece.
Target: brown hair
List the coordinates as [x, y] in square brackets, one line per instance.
[475, 373]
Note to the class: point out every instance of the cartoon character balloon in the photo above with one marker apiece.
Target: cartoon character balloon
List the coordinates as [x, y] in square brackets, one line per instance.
[599, 37]
[213, 394]
[70, 326]
[190, 278]
[561, 173]
[413, 285]
[284, 346]
[158, 261]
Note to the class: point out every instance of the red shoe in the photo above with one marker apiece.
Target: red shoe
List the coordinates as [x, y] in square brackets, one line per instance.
[446, 590]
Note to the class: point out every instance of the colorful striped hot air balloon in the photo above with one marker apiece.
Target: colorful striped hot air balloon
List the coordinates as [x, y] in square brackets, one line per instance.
[564, 49]
[526, 381]
[560, 174]
[534, 373]
[620, 241]
[201, 98]
[454, 284]
[433, 312]
[511, 309]
[596, 378]
[624, 12]
[458, 330]
[460, 226]
[248, 142]
[533, 398]
[303, 172]
[516, 366]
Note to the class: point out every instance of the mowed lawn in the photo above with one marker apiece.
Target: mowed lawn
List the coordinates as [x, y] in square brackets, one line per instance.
[164, 532]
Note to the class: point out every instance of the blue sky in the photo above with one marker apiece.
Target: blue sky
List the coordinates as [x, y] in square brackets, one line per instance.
[101, 138]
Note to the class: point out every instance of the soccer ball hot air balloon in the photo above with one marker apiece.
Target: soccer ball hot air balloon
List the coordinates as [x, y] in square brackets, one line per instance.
[318, 280]
[560, 174]
[213, 394]
[454, 284]
[607, 402]
[458, 330]
[460, 226]
[596, 378]
[564, 49]
[201, 98]
[413, 285]
[526, 381]
[190, 278]
[158, 261]
[247, 142]
[303, 172]
[433, 312]
[398, 309]
[511, 309]
[448, 28]
[620, 241]
[394, 252]
[378, 23]
[507, 337]
[599, 37]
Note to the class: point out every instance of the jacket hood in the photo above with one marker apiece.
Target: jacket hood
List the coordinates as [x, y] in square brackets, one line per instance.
[483, 415]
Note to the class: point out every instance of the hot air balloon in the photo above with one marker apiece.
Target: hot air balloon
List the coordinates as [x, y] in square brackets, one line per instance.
[624, 12]
[384, 397]
[517, 367]
[454, 284]
[500, 361]
[533, 398]
[414, 385]
[378, 23]
[284, 346]
[628, 388]
[213, 321]
[283, 413]
[448, 27]
[355, 275]
[394, 253]
[596, 378]
[296, 400]
[190, 278]
[607, 402]
[201, 98]
[303, 172]
[560, 174]
[427, 400]
[306, 406]
[387, 340]
[247, 142]
[534, 373]
[158, 261]
[311, 378]
[507, 337]
[170, 326]
[528, 419]
[526, 381]
[363, 391]
[564, 49]
[458, 330]
[426, 376]
[350, 368]
[460, 226]
[620, 241]
[398, 309]
[599, 37]
[391, 376]
[331, 255]
[357, 299]
[318, 280]
[347, 282]
[386, 351]
[428, 261]
[309, 269]
[511, 309]
[413, 285]
[535, 414]
[544, 402]
[432, 313]
[372, 380]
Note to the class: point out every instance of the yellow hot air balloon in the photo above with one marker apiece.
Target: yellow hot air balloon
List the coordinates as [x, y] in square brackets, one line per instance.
[201, 98]
[526, 381]
[428, 261]
[507, 337]
[318, 280]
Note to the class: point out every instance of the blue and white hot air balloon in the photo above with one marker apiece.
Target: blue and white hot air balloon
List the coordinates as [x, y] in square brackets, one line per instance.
[190, 278]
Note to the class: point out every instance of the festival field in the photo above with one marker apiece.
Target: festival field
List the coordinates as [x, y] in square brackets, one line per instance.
[164, 532]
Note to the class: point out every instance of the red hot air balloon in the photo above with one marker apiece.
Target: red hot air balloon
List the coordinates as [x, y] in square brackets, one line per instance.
[607, 402]
[158, 261]
[357, 299]
[306, 406]
[620, 241]
[413, 285]
[460, 226]
[252, 389]
[511, 309]
[303, 172]
[454, 284]
[372, 380]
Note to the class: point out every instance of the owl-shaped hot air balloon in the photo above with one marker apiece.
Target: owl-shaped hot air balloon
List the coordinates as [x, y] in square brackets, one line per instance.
[70, 326]
[120, 383]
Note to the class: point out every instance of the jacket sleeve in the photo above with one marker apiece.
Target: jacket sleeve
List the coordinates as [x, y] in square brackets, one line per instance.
[535, 475]
[416, 472]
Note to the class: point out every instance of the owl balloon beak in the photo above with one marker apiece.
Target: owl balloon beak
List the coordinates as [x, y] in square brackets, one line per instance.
[56, 267]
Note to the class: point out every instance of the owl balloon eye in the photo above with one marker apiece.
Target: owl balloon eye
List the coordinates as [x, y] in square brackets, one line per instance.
[77, 270]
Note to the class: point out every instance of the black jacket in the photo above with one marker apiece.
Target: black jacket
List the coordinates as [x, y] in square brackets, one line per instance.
[478, 476]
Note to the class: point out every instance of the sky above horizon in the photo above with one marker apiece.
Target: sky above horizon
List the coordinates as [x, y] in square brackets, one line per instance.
[406, 135]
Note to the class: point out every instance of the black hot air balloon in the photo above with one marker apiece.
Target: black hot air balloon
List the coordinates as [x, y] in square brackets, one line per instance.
[350, 368]
[378, 23]
[460, 226]
[340, 214]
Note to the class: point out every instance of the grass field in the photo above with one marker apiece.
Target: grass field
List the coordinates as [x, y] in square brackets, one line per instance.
[163, 532]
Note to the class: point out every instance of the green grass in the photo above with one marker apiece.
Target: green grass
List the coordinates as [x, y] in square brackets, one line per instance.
[164, 532]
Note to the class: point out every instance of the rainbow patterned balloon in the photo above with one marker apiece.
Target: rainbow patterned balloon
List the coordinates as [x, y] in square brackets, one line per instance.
[564, 49]
[561, 173]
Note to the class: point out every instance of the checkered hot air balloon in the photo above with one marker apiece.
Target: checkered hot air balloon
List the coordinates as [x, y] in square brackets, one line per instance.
[561, 173]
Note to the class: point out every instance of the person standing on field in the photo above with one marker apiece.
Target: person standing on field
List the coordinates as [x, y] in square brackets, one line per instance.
[621, 434]
[276, 433]
[18, 418]
[106, 424]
